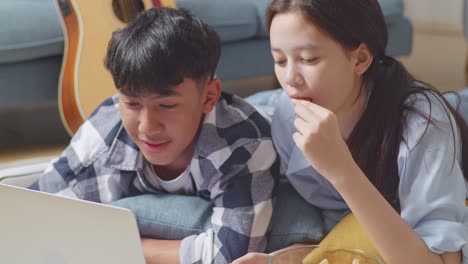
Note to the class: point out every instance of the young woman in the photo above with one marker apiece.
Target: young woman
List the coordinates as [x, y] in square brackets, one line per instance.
[355, 131]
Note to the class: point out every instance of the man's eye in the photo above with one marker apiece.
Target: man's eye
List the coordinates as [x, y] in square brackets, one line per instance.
[168, 106]
[132, 104]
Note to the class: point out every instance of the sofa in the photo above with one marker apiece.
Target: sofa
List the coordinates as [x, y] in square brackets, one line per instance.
[32, 46]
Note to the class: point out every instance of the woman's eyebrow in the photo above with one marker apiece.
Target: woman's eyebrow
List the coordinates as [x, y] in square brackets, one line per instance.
[299, 47]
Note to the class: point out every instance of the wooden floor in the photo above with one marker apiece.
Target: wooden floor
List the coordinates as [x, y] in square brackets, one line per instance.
[11, 154]
[32, 131]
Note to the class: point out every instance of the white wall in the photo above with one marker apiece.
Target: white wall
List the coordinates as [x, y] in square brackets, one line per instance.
[441, 14]
[439, 45]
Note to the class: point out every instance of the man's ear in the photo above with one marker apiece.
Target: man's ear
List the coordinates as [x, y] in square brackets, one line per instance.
[363, 59]
[212, 94]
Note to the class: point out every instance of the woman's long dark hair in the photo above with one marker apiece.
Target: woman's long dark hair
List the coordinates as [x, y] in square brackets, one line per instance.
[350, 23]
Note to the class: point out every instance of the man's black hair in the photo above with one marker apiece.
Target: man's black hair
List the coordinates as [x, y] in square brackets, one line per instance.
[160, 48]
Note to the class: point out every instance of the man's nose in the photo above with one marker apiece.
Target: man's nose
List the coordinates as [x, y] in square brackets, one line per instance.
[150, 123]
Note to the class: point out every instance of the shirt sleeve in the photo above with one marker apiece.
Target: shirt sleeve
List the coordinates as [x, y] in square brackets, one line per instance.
[56, 179]
[281, 128]
[79, 172]
[432, 187]
[242, 196]
[73, 173]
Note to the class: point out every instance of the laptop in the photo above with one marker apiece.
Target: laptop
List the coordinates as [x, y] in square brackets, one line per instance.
[42, 228]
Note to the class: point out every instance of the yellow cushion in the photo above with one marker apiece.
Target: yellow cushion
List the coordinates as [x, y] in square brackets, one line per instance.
[168, 3]
[347, 234]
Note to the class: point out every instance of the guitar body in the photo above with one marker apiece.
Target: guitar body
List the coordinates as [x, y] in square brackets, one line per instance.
[88, 26]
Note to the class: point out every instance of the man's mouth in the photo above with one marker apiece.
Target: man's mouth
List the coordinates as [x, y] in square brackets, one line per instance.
[156, 145]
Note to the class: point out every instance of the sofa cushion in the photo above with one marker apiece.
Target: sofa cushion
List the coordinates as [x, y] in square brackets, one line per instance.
[261, 6]
[170, 216]
[392, 10]
[233, 20]
[30, 29]
[459, 101]
[244, 19]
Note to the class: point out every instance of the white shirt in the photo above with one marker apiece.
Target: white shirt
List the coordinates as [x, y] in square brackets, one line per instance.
[182, 184]
[432, 188]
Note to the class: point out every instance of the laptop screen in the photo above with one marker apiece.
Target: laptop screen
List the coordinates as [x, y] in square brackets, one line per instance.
[43, 228]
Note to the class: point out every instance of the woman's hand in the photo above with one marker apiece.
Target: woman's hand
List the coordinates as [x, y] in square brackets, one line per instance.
[253, 258]
[320, 139]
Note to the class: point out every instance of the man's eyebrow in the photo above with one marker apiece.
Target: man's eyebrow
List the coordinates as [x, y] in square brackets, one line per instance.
[165, 93]
[162, 94]
[299, 47]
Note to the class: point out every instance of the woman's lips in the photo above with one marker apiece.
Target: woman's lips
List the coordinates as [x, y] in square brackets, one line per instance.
[301, 98]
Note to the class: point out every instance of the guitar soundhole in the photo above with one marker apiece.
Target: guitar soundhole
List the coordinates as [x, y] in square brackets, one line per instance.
[127, 10]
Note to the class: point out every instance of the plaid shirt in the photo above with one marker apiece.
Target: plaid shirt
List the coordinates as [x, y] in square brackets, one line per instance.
[234, 166]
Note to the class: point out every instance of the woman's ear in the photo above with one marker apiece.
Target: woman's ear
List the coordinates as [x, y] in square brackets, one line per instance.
[363, 59]
[212, 94]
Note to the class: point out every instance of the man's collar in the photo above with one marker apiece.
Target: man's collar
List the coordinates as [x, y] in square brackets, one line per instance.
[124, 154]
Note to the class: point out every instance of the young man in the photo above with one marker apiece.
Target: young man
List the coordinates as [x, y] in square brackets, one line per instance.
[170, 129]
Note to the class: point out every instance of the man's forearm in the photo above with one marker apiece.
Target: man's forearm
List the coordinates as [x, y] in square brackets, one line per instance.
[161, 251]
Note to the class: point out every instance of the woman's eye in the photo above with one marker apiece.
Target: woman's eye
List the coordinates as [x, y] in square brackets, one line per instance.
[309, 60]
[168, 106]
[280, 62]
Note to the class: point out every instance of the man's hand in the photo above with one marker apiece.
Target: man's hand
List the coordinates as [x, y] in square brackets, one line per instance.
[160, 251]
[253, 258]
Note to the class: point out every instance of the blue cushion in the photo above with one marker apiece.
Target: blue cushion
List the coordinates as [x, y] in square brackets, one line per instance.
[30, 29]
[465, 18]
[261, 6]
[392, 10]
[245, 59]
[294, 220]
[459, 101]
[169, 216]
[31, 83]
[400, 37]
[233, 20]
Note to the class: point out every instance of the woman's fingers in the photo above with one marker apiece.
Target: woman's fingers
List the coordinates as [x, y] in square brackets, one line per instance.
[309, 111]
[302, 126]
[305, 113]
[299, 140]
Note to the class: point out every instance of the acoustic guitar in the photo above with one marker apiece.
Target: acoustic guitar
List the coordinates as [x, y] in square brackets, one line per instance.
[88, 26]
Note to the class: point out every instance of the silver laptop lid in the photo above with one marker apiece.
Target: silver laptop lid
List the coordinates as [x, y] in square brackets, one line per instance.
[41, 228]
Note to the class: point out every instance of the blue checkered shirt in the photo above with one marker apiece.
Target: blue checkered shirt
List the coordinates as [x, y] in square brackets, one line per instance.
[234, 166]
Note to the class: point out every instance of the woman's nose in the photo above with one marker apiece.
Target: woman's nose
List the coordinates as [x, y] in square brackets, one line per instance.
[293, 77]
